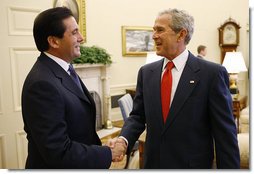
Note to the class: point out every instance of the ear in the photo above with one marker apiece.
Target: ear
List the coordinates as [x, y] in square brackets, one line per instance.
[181, 35]
[53, 42]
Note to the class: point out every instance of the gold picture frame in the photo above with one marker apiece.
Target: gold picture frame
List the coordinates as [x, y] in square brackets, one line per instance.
[137, 41]
[78, 8]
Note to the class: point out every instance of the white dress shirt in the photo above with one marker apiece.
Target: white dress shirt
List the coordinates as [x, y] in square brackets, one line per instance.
[59, 61]
[177, 71]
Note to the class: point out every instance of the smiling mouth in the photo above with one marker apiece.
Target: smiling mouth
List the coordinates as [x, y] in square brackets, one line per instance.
[158, 44]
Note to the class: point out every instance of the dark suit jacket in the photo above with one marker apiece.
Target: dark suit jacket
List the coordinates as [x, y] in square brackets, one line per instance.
[200, 114]
[199, 56]
[59, 121]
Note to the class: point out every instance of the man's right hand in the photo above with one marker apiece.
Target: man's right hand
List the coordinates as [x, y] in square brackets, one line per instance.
[118, 149]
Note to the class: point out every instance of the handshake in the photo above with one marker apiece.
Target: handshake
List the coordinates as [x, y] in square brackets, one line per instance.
[118, 148]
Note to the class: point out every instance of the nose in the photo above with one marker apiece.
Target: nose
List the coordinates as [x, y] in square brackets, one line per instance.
[80, 38]
[155, 35]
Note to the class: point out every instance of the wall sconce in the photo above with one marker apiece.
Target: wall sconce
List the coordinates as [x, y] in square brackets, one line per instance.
[234, 63]
[152, 57]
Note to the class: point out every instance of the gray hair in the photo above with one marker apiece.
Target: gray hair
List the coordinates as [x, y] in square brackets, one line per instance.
[180, 19]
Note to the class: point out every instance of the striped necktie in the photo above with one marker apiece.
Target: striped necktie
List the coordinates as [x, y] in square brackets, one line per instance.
[74, 76]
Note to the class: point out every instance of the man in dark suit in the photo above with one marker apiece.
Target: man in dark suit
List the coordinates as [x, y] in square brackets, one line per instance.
[201, 51]
[58, 111]
[198, 116]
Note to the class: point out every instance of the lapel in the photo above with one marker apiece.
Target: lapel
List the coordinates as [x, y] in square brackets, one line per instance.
[184, 89]
[154, 83]
[66, 80]
[87, 93]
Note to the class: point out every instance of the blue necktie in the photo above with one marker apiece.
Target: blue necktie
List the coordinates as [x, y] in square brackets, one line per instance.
[74, 76]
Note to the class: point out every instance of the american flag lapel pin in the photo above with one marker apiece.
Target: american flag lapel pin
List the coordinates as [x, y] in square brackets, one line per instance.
[192, 81]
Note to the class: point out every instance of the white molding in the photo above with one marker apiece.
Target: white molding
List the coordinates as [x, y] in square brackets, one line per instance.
[1, 107]
[20, 20]
[88, 65]
[96, 78]
[21, 148]
[2, 151]
[17, 77]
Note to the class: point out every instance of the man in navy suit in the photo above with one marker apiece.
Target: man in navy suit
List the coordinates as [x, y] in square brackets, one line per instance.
[199, 120]
[59, 114]
[201, 51]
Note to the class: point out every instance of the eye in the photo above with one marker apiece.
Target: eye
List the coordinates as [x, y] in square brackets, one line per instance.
[160, 30]
[75, 31]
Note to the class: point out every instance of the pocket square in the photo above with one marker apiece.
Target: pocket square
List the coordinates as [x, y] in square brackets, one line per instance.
[192, 81]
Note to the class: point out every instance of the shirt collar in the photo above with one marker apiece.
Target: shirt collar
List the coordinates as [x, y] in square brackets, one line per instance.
[178, 61]
[200, 55]
[59, 61]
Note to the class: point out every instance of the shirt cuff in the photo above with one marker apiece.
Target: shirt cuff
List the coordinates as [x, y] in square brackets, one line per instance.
[126, 141]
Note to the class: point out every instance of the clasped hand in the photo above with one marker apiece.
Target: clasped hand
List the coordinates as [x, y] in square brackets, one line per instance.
[118, 149]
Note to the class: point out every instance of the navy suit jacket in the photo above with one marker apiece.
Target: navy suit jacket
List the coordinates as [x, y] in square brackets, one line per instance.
[59, 120]
[200, 118]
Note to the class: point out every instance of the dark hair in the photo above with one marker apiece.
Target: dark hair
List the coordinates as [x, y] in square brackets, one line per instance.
[49, 23]
[200, 48]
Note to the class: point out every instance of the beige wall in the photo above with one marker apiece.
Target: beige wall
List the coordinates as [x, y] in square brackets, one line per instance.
[105, 18]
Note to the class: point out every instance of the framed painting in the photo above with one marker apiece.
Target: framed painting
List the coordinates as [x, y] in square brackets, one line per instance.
[137, 41]
[79, 11]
